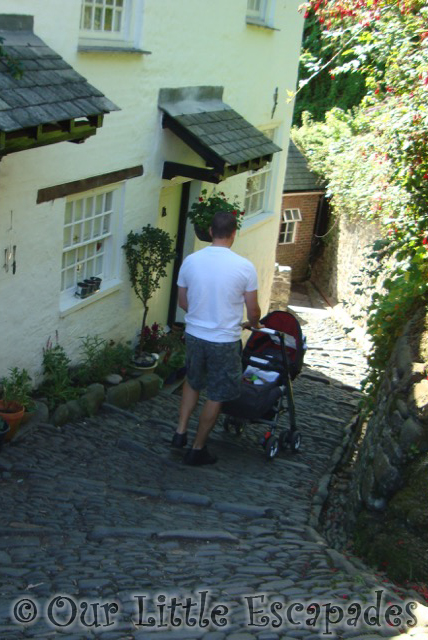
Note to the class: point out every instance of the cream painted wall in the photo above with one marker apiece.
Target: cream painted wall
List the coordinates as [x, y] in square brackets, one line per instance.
[192, 42]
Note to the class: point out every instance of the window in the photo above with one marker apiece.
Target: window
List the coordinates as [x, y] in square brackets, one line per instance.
[258, 186]
[90, 238]
[257, 190]
[102, 15]
[111, 24]
[288, 227]
[260, 12]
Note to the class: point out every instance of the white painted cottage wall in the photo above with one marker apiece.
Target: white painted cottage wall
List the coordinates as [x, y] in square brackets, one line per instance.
[192, 42]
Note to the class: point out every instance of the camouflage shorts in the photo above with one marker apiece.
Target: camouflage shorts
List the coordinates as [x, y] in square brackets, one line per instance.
[215, 366]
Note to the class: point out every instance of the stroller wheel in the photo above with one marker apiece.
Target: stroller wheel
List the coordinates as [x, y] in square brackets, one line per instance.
[271, 448]
[284, 439]
[239, 427]
[295, 441]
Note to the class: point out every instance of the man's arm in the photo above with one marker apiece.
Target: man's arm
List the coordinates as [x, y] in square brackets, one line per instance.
[182, 298]
[253, 309]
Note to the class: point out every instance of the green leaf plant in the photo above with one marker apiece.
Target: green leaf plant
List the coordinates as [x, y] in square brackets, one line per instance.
[375, 157]
[148, 254]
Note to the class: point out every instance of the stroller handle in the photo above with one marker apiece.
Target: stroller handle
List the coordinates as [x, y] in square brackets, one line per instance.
[273, 332]
[286, 339]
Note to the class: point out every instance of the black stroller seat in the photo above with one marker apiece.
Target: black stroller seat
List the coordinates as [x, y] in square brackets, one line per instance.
[271, 359]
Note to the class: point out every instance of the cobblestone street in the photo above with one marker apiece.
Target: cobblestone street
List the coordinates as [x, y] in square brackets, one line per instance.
[103, 511]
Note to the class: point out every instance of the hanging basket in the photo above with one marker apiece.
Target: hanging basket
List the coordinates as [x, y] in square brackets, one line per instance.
[202, 234]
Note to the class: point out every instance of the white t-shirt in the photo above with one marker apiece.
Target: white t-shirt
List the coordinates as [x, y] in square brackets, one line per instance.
[216, 279]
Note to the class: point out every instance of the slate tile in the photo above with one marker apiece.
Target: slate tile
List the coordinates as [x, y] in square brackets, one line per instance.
[13, 98]
[7, 122]
[29, 96]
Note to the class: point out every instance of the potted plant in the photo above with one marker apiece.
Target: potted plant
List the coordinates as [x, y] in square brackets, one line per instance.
[203, 210]
[148, 253]
[15, 397]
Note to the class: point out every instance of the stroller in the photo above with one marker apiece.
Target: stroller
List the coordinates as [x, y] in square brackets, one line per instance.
[272, 358]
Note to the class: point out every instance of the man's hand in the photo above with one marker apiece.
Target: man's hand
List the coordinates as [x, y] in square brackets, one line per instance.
[249, 325]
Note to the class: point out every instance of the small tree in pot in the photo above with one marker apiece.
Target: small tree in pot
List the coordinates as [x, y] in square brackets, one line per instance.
[148, 253]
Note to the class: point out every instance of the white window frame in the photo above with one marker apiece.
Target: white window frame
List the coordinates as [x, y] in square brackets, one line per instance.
[96, 207]
[288, 226]
[261, 12]
[266, 173]
[128, 37]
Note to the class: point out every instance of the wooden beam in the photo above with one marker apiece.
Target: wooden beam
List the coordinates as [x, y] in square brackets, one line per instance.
[78, 186]
[174, 169]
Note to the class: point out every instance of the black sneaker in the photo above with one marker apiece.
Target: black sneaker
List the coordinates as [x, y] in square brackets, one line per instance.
[179, 440]
[198, 457]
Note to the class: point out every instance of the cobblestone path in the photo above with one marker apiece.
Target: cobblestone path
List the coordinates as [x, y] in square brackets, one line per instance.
[104, 514]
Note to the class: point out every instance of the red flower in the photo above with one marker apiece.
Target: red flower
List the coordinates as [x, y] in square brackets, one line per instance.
[425, 240]
[377, 90]
[201, 199]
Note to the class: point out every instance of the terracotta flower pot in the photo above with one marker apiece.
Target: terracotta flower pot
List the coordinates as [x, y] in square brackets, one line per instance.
[12, 414]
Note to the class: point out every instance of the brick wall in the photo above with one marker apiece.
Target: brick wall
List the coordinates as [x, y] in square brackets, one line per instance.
[296, 255]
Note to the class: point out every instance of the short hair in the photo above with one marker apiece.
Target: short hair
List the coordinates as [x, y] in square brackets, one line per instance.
[223, 224]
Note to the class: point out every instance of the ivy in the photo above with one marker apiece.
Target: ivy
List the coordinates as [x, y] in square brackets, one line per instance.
[375, 156]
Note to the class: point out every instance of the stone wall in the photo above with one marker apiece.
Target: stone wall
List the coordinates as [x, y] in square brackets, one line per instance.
[281, 287]
[388, 509]
[341, 263]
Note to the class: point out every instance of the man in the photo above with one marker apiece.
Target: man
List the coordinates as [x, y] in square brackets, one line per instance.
[213, 286]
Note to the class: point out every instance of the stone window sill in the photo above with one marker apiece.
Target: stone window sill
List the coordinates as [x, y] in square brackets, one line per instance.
[71, 304]
[253, 22]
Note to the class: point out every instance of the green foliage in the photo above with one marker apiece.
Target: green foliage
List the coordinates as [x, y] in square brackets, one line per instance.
[14, 66]
[202, 212]
[99, 358]
[148, 253]
[57, 385]
[17, 388]
[375, 159]
[319, 88]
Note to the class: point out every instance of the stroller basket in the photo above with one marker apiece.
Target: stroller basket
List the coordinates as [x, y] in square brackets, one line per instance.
[272, 357]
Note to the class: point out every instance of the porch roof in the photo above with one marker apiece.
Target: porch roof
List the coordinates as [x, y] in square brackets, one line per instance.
[227, 142]
[42, 98]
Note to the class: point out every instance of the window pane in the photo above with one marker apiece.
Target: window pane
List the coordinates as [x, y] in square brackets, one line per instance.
[77, 233]
[117, 21]
[68, 213]
[89, 207]
[108, 20]
[109, 201]
[90, 266]
[99, 204]
[97, 227]
[87, 18]
[70, 257]
[87, 230]
[67, 236]
[78, 210]
[106, 223]
[98, 19]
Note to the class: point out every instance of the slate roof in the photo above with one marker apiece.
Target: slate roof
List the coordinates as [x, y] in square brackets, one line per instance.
[49, 89]
[298, 176]
[215, 127]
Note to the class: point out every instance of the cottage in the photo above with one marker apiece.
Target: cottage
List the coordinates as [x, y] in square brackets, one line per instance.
[115, 114]
[303, 215]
